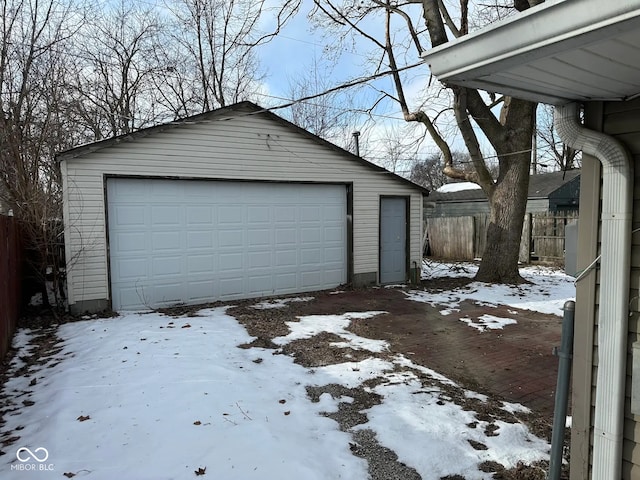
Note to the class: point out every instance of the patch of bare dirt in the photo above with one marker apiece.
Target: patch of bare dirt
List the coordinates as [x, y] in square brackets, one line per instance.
[504, 365]
[319, 351]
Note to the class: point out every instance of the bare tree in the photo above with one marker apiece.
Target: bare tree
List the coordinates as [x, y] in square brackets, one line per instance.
[331, 116]
[551, 151]
[214, 62]
[115, 81]
[396, 151]
[394, 29]
[428, 172]
[33, 100]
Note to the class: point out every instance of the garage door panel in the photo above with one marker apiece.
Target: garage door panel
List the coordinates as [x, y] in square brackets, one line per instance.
[167, 294]
[199, 215]
[200, 264]
[165, 215]
[260, 283]
[230, 238]
[194, 190]
[286, 236]
[130, 297]
[311, 280]
[312, 256]
[230, 215]
[169, 189]
[310, 214]
[167, 266]
[201, 291]
[310, 235]
[164, 240]
[333, 235]
[258, 237]
[334, 255]
[174, 241]
[259, 214]
[229, 262]
[230, 288]
[331, 276]
[200, 239]
[128, 215]
[333, 213]
[133, 242]
[261, 259]
[284, 214]
[286, 258]
[285, 282]
[130, 268]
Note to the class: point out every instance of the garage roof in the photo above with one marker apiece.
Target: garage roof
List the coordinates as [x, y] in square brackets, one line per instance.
[223, 114]
[560, 51]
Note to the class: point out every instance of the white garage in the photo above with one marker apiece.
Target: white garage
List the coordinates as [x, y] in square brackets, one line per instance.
[229, 204]
[187, 241]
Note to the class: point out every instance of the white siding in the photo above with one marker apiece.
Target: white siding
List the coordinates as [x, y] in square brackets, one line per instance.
[246, 147]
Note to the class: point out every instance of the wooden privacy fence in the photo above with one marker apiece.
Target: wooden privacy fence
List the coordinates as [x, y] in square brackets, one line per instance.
[547, 234]
[464, 238]
[10, 262]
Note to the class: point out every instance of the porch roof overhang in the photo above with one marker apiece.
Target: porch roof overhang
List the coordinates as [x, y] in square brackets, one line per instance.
[555, 53]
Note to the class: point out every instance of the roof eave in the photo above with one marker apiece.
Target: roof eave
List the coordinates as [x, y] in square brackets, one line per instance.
[527, 37]
[252, 109]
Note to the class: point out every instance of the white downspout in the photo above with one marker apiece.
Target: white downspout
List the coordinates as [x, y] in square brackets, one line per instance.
[613, 312]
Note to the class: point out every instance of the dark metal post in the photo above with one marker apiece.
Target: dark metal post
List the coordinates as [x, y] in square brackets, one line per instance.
[565, 354]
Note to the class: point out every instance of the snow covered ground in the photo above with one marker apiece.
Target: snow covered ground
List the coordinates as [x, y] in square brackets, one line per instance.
[148, 396]
[548, 290]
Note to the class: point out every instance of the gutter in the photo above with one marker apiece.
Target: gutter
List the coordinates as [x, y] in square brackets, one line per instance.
[617, 200]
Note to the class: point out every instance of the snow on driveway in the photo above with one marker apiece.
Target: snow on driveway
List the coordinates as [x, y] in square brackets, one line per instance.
[147, 396]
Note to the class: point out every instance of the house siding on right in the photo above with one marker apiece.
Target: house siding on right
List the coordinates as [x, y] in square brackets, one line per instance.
[622, 121]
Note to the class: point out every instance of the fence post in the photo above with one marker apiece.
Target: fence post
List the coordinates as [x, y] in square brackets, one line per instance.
[10, 278]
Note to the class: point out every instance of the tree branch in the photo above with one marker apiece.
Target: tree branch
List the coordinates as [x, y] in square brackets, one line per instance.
[344, 20]
[481, 175]
[448, 20]
[412, 31]
[484, 117]
[435, 25]
[352, 83]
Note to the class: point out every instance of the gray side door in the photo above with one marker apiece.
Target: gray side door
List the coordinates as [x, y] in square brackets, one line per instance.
[393, 239]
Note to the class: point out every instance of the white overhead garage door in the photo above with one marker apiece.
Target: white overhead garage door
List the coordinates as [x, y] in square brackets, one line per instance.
[184, 241]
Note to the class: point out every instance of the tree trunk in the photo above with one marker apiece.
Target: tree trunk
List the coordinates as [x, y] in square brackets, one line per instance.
[507, 209]
[508, 200]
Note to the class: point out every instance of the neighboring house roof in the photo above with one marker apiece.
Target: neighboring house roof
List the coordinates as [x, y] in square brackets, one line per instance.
[540, 186]
[554, 53]
[231, 111]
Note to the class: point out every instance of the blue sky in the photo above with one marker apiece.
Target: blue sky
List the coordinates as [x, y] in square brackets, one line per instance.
[299, 47]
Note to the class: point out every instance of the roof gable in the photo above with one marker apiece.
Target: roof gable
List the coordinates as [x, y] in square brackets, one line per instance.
[227, 113]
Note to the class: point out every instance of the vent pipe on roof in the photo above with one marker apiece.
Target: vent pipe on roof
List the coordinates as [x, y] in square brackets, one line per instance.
[617, 194]
[356, 142]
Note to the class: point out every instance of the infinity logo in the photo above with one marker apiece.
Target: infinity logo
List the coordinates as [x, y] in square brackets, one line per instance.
[33, 455]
